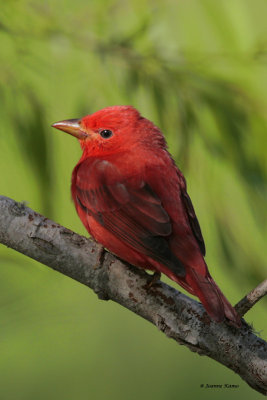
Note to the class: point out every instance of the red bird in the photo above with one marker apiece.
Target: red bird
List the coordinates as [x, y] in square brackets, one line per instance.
[132, 198]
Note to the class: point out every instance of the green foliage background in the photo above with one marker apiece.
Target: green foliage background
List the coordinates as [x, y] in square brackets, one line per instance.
[197, 69]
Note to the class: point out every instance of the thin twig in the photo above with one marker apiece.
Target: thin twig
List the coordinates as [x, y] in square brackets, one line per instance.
[245, 304]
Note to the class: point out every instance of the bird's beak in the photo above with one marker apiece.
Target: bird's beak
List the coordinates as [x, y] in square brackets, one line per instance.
[71, 126]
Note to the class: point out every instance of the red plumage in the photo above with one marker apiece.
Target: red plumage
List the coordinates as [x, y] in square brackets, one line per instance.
[132, 199]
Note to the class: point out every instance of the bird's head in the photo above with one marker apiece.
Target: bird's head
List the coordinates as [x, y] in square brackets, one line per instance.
[112, 129]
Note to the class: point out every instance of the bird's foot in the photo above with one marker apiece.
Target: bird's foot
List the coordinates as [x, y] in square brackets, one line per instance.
[153, 279]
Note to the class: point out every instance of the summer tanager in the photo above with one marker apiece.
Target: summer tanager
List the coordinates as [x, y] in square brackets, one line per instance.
[132, 198]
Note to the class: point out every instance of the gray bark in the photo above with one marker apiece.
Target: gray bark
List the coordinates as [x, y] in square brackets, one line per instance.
[178, 316]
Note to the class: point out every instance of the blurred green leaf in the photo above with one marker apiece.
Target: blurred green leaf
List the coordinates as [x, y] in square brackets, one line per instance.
[30, 129]
[198, 70]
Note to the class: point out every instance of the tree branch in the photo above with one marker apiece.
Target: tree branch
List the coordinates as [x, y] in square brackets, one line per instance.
[245, 304]
[178, 316]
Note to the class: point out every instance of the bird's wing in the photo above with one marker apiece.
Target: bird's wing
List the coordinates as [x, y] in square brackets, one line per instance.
[193, 220]
[129, 209]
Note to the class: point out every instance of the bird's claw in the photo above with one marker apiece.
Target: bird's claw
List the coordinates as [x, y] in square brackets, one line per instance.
[152, 280]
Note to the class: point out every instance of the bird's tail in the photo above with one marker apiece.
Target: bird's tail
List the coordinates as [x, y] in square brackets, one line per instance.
[214, 301]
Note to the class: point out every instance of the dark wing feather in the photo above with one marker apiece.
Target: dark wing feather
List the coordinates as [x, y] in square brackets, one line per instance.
[129, 209]
[193, 221]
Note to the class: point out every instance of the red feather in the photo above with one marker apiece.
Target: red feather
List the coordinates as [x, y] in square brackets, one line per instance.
[132, 199]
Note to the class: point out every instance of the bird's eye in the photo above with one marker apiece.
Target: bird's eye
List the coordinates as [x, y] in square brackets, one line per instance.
[106, 133]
